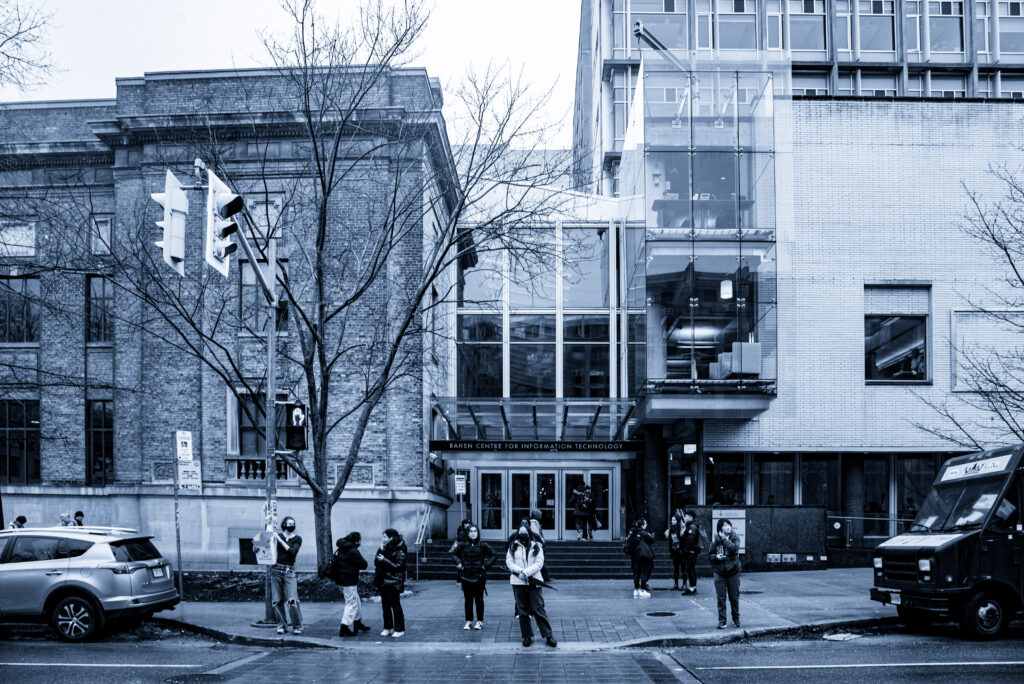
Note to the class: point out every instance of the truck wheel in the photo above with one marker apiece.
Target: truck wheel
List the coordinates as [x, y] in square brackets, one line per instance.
[914, 619]
[76, 619]
[984, 616]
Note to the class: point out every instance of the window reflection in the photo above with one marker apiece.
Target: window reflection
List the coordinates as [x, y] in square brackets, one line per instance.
[585, 357]
[585, 268]
[479, 356]
[876, 33]
[532, 356]
[723, 477]
[480, 279]
[773, 476]
[894, 348]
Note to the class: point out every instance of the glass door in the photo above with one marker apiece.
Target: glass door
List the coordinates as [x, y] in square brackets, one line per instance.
[491, 504]
[545, 498]
[600, 486]
[519, 498]
[570, 480]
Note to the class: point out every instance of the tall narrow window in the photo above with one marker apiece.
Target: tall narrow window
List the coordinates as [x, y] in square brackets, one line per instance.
[946, 27]
[586, 357]
[99, 442]
[19, 310]
[100, 234]
[19, 441]
[877, 21]
[807, 25]
[253, 313]
[99, 308]
[737, 25]
[479, 356]
[532, 356]
[1011, 27]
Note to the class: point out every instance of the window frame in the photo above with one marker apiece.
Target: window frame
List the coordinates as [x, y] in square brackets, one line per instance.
[105, 315]
[105, 432]
[31, 312]
[22, 250]
[927, 363]
[100, 244]
[29, 436]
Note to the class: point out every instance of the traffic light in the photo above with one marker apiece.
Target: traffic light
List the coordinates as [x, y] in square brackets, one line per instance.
[175, 204]
[221, 205]
[295, 427]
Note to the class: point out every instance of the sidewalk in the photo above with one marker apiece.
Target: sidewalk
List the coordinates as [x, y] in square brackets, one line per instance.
[585, 614]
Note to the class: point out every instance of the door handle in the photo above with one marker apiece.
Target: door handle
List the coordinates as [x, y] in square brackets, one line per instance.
[55, 572]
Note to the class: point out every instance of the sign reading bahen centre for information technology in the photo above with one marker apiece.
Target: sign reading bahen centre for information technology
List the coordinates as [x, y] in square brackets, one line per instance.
[472, 445]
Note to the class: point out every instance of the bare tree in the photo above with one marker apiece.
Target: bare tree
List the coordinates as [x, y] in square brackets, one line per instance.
[24, 57]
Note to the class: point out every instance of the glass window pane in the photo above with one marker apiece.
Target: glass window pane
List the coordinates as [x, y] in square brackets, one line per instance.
[532, 328]
[1011, 34]
[585, 279]
[532, 271]
[737, 32]
[490, 501]
[586, 329]
[914, 477]
[876, 496]
[895, 348]
[479, 370]
[484, 328]
[946, 34]
[876, 33]
[723, 477]
[773, 477]
[819, 481]
[807, 33]
[480, 278]
[585, 370]
[532, 370]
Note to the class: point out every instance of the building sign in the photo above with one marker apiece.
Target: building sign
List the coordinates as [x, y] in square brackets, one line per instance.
[618, 445]
[190, 475]
[460, 484]
[183, 441]
[986, 466]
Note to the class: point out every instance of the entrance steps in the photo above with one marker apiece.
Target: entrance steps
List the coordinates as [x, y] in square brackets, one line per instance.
[562, 560]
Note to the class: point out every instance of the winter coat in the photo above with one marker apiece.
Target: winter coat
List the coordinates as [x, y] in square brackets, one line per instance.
[347, 563]
[522, 559]
[642, 544]
[389, 571]
[582, 502]
[475, 557]
[729, 547]
[689, 542]
[675, 538]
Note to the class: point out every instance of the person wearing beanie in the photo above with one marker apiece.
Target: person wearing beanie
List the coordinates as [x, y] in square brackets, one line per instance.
[345, 567]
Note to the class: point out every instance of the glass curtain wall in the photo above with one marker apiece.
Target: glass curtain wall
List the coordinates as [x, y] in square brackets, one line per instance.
[698, 182]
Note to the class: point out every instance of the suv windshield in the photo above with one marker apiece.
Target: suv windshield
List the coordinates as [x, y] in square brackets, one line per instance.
[958, 506]
[134, 550]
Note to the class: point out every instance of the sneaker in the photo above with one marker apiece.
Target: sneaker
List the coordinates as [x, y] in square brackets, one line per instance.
[479, 625]
[644, 594]
[721, 625]
[736, 623]
[397, 635]
[467, 625]
[297, 630]
[636, 593]
[282, 630]
[387, 632]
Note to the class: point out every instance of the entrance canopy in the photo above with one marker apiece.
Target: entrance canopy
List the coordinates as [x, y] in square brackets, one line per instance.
[533, 419]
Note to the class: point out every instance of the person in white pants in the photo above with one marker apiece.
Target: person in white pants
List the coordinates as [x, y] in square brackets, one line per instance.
[345, 569]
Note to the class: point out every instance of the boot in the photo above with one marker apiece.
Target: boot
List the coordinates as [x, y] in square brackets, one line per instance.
[344, 631]
[675, 586]
[358, 626]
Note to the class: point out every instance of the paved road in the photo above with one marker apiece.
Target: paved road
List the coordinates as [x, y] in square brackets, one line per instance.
[938, 656]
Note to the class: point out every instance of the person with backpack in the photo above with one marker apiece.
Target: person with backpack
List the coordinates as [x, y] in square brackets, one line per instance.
[473, 558]
[639, 548]
[460, 536]
[674, 534]
[692, 541]
[389, 578]
[345, 567]
[582, 508]
[725, 563]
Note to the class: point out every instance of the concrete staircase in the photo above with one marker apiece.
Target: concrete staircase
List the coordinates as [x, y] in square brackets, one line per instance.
[563, 560]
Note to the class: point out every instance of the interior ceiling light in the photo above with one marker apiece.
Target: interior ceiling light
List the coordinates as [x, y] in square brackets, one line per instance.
[725, 290]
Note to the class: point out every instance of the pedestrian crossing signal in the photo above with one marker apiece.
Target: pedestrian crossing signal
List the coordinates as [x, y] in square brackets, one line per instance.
[295, 427]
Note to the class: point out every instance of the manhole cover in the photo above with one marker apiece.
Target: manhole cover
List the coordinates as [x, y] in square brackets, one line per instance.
[750, 591]
[661, 613]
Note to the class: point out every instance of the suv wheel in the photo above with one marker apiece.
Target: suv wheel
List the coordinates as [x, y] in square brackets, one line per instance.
[984, 615]
[76, 619]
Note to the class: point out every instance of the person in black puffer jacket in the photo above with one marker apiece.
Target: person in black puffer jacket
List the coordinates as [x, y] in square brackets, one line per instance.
[725, 563]
[473, 558]
[642, 556]
[389, 578]
[690, 544]
[345, 567]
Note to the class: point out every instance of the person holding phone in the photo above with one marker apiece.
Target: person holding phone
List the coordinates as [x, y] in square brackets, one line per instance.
[725, 563]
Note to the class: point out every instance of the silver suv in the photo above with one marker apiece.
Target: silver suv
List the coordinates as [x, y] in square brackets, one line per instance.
[77, 578]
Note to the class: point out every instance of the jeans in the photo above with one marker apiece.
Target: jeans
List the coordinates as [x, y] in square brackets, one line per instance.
[690, 569]
[473, 592]
[391, 605]
[530, 601]
[641, 572]
[677, 569]
[353, 607]
[583, 526]
[730, 585]
[284, 591]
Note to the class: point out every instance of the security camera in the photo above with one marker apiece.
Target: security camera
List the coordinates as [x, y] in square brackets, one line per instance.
[433, 456]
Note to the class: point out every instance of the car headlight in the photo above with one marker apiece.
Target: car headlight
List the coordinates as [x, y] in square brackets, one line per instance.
[878, 562]
[924, 564]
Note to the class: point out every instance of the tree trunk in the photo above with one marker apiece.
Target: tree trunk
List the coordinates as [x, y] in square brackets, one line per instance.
[324, 538]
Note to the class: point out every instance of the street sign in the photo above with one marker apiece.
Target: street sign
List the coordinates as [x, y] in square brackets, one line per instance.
[190, 475]
[460, 484]
[265, 549]
[184, 444]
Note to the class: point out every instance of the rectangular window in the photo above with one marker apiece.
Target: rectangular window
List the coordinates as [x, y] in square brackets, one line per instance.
[252, 423]
[99, 442]
[532, 356]
[479, 356]
[737, 30]
[532, 271]
[99, 309]
[773, 478]
[895, 348]
[877, 22]
[19, 310]
[480, 275]
[981, 25]
[946, 28]
[19, 441]
[723, 480]
[585, 363]
[878, 85]
[585, 278]
[807, 32]
[1012, 87]
[948, 86]
[844, 84]
[819, 481]
[914, 477]
[810, 84]
[253, 313]
[1011, 32]
[17, 239]
[912, 26]
[100, 234]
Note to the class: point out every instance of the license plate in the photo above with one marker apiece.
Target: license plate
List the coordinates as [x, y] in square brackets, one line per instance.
[895, 600]
[158, 572]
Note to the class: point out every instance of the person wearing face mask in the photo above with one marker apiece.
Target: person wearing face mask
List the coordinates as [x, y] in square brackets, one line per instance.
[284, 589]
[473, 558]
[525, 560]
[389, 577]
[725, 563]
[345, 567]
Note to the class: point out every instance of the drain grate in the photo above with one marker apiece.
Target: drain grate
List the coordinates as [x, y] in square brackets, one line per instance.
[750, 591]
[661, 613]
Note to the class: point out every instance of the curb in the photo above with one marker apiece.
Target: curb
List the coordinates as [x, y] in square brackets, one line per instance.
[667, 641]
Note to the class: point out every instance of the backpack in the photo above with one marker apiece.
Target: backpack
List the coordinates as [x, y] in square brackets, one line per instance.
[334, 569]
[587, 501]
[629, 546]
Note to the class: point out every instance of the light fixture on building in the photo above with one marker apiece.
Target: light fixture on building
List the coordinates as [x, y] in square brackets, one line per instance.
[725, 291]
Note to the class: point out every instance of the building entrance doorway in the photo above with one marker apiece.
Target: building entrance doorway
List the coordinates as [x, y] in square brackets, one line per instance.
[504, 496]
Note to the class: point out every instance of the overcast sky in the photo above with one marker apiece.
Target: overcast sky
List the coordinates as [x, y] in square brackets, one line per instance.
[95, 41]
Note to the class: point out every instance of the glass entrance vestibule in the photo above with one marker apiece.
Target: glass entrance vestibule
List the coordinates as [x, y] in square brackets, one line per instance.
[499, 495]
